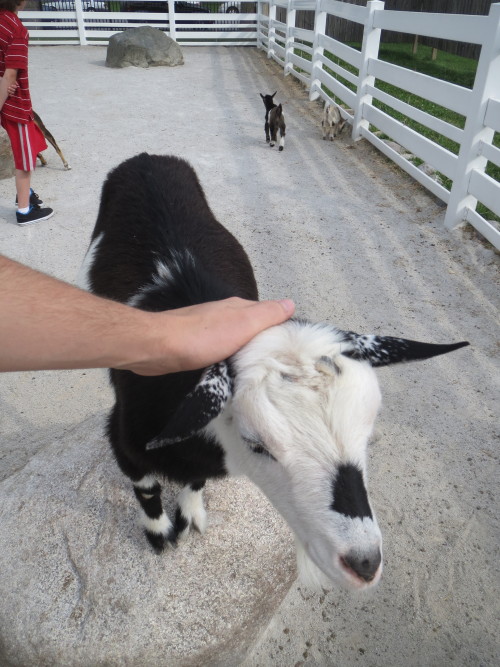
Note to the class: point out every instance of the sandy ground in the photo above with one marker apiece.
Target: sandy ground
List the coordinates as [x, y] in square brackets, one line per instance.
[355, 242]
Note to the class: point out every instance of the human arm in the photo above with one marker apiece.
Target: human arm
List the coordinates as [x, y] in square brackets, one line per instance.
[8, 85]
[48, 324]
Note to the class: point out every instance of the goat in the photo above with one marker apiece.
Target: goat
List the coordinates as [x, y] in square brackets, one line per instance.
[332, 123]
[274, 121]
[293, 409]
[50, 139]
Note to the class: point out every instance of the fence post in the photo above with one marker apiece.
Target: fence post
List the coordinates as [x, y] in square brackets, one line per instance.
[290, 37]
[259, 33]
[271, 33]
[80, 22]
[171, 19]
[369, 49]
[485, 86]
[317, 64]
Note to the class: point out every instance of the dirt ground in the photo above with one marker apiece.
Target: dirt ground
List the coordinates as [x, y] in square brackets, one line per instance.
[353, 241]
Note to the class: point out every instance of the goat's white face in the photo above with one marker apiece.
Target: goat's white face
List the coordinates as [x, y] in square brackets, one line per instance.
[297, 421]
[298, 426]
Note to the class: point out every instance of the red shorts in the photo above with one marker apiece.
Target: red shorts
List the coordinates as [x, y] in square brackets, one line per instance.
[27, 141]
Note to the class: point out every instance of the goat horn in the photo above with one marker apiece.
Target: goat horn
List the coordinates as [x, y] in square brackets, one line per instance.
[386, 350]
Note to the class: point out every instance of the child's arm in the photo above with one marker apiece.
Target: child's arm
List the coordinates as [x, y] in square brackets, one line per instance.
[8, 85]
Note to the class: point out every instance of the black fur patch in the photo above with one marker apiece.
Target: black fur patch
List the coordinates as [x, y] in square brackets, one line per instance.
[202, 405]
[151, 506]
[180, 521]
[349, 493]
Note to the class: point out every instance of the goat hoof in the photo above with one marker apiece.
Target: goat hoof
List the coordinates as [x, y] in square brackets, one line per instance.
[67, 167]
[157, 541]
[280, 148]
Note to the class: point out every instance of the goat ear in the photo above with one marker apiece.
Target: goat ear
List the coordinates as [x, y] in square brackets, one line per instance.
[203, 404]
[274, 93]
[261, 95]
[385, 350]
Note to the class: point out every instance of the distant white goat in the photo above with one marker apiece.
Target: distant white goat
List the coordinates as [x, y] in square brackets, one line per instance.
[293, 409]
[332, 123]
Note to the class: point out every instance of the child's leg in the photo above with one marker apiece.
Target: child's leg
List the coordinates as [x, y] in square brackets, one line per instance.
[23, 179]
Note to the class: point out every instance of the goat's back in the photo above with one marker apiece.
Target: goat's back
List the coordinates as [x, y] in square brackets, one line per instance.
[153, 209]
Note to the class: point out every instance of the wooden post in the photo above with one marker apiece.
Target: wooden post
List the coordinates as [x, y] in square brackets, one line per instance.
[369, 49]
[259, 32]
[271, 33]
[475, 132]
[319, 29]
[415, 45]
[80, 23]
[171, 19]
[290, 39]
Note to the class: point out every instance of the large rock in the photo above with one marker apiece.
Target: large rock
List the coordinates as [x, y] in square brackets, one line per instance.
[6, 160]
[79, 585]
[143, 47]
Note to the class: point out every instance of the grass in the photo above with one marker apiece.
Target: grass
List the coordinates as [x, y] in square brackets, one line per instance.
[447, 67]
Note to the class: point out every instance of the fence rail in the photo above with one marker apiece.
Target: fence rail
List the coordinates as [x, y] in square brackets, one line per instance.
[228, 22]
[326, 65]
[332, 69]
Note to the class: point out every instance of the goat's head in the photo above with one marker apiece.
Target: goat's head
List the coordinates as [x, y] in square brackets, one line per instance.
[302, 409]
[332, 118]
[268, 100]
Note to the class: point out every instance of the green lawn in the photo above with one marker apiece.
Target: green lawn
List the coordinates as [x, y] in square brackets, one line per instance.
[447, 67]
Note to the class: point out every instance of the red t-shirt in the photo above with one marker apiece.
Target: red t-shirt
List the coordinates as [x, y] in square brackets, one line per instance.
[14, 55]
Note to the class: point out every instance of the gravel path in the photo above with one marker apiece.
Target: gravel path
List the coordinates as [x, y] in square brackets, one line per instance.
[355, 242]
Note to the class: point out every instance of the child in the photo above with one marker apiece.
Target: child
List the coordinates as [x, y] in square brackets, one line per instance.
[16, 114]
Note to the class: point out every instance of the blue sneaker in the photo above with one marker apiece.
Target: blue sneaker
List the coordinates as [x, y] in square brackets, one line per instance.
[35, 214]
[34, 199]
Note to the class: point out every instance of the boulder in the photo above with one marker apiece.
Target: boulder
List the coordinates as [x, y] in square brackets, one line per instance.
[6, 160]
[143, 47]
[80, 585]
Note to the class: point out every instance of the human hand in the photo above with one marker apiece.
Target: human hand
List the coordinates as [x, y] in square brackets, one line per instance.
[197, 336]
[12, 87]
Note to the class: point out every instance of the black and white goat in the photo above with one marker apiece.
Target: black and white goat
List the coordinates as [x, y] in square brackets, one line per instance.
[274, 121]
[293, 409]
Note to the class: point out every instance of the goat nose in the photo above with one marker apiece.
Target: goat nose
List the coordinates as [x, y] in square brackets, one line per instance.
[364, 565]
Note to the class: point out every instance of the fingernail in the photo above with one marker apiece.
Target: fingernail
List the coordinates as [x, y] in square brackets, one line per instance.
[288, 305]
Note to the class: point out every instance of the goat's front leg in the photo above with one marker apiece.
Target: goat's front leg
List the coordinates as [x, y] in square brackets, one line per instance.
[157, 526]
[266, 130]
[190, 511]
[42, 159]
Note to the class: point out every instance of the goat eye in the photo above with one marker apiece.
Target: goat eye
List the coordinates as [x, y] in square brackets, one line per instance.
[288, 378]
[257, 446]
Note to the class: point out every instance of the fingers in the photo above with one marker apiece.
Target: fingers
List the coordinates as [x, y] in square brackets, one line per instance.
[266, 314]
[197, 336]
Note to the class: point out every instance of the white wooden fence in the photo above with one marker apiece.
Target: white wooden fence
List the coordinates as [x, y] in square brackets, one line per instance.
[306, 54]
[95, 21]
[288, 45]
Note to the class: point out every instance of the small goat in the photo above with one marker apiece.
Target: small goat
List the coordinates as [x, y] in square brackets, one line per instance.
[332, 123]
[274, 121]
[293, 409]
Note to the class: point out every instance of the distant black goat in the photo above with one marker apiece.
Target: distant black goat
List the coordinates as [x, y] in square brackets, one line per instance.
[274, 121]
